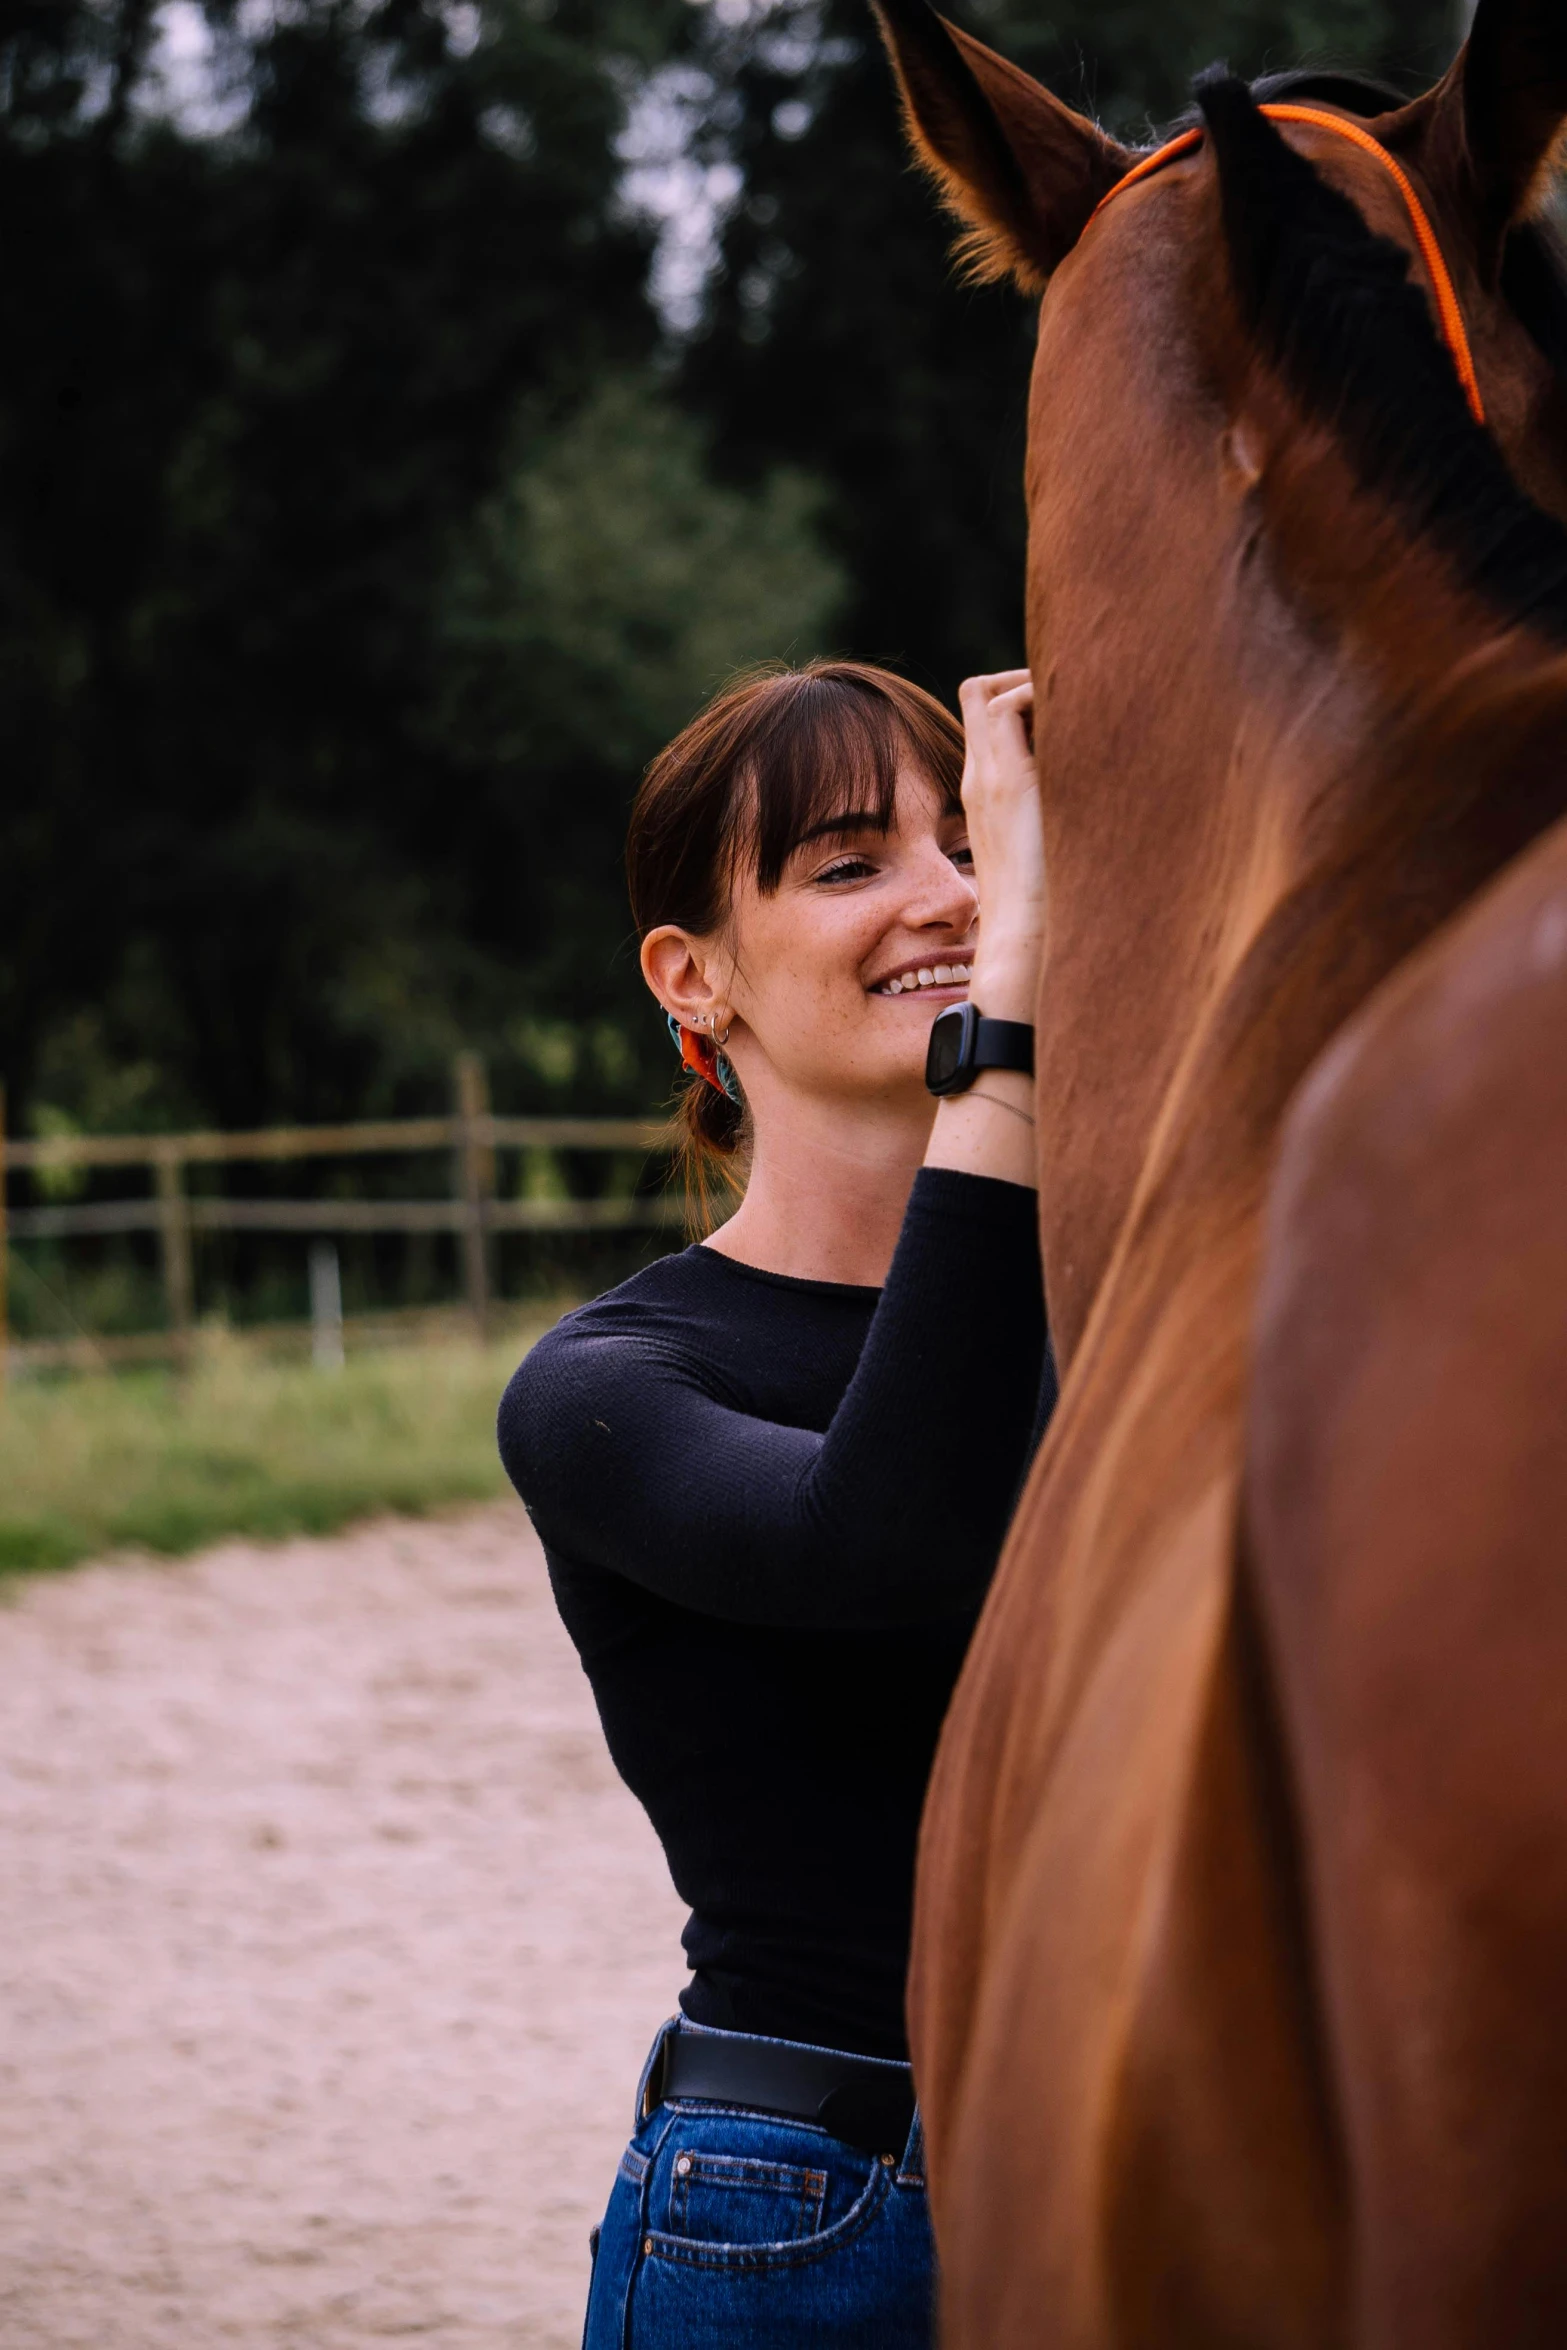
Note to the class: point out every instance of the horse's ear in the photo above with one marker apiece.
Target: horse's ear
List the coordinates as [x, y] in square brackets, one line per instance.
[1514, 67]
[1022, 170]
[1487, 132]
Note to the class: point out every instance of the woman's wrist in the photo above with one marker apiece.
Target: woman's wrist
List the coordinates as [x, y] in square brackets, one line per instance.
[989, 1130]
[1005, 985]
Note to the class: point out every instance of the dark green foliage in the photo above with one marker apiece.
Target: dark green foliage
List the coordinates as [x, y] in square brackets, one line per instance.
[258, 389]
[608, 586]
[254, 384]
[361, 533]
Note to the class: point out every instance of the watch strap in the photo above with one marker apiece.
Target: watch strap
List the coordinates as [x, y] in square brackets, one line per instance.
[1003, 1044]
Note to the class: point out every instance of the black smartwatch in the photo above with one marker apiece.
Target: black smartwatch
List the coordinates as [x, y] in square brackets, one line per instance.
[963, 1042]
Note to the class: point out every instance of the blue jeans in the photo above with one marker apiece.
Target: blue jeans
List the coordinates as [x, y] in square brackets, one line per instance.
[731, 2228]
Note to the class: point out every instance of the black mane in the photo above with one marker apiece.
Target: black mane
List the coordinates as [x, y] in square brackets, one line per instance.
[1356, 93]
[1534, 265]
[1534, 282]
[1334, 308]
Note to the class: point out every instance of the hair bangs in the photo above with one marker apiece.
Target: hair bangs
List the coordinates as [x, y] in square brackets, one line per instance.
[778, 756]
[824, 757]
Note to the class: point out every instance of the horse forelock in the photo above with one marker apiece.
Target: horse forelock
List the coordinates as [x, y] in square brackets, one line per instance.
[1332, 307]
[1353, 93]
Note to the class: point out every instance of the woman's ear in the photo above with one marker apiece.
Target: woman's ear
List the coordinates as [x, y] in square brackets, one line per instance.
[1020, 168]
[676, 967]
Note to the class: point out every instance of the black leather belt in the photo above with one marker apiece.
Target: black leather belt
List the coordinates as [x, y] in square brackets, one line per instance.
[865, 2100]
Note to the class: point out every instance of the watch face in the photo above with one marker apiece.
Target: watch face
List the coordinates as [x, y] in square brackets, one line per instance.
[946, 1056]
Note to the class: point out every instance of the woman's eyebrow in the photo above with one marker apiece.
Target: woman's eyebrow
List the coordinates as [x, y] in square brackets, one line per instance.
[835, 827]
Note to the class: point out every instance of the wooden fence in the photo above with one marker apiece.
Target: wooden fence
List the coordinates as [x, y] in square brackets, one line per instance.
[475, 1211]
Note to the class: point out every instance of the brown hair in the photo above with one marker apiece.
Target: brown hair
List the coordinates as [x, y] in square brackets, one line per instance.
[779, 752]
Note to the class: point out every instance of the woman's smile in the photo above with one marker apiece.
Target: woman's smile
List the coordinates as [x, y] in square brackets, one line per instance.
[946, 977]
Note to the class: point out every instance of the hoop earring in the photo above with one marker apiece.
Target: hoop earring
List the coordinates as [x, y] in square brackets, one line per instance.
[721, 1041]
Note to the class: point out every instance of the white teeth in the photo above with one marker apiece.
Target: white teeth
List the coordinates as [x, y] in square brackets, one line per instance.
[936, 975]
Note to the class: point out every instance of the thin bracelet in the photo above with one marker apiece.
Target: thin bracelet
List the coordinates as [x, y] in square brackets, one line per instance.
[996, 1102]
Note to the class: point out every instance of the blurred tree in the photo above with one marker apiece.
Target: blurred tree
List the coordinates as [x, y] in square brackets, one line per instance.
[606, 589]
[264, 368]
[362, 530]
[835, 336]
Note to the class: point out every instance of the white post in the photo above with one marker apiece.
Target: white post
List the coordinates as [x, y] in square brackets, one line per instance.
[326, 1306]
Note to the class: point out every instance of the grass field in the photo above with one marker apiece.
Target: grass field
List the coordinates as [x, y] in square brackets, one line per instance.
[166, 1462]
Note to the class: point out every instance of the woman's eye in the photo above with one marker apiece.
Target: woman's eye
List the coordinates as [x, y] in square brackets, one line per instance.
[846, 869]
[963, 856]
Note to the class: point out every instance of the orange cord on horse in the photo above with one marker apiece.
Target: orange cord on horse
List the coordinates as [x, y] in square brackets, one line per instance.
[1450, 316]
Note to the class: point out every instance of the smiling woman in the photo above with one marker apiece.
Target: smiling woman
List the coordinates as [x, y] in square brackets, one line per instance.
[772, 1473]
[802, 851]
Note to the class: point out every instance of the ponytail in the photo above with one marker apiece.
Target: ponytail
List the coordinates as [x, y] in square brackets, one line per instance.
[711, 1136]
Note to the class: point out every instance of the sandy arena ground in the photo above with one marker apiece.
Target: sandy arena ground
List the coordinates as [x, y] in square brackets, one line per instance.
[332, 1947]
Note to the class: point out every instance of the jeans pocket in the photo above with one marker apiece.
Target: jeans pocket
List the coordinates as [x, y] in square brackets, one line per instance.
[737, 2199]
[744, 2206]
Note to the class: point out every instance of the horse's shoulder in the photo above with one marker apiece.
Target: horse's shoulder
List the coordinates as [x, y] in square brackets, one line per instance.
[1417, 1219]
[1406, 1489]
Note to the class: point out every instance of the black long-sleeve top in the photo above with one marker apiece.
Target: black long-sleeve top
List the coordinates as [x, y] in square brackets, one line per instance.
[770, 1510]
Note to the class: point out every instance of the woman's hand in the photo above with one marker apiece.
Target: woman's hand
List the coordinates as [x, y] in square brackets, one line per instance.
[989, 1130]
[1001, 801]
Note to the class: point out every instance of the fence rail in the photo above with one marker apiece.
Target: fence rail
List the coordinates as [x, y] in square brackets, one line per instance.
[474, 1212]
[343, 1215]
[63, 1151]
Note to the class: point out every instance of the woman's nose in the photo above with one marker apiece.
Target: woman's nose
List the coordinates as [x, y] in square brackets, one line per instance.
[942, 894]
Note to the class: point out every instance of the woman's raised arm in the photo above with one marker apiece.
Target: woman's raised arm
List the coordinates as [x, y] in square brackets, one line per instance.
[989, 1130]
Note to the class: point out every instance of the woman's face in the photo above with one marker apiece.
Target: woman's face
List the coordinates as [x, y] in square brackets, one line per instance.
[834, 978]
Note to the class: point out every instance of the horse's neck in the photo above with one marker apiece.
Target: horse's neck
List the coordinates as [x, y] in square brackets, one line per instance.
[1226, 754]
[1183, 781]
[1373, 814]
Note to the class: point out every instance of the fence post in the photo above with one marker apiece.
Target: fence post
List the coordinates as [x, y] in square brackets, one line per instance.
[5, 1262]
[179, 1285]
[326, 1306]
[476, 1183]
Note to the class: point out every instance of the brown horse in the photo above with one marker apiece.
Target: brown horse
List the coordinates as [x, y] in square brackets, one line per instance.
[1240, 1989]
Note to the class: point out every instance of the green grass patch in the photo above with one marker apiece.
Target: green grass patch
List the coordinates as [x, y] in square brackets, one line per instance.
[167, 1461]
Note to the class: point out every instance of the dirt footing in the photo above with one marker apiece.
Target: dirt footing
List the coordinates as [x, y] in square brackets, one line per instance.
[333, 1946]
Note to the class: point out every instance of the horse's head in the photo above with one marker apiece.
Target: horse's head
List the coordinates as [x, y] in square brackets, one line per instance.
[1262, 519]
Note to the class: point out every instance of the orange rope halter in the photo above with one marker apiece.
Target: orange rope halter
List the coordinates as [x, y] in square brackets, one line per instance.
[1449, 316]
